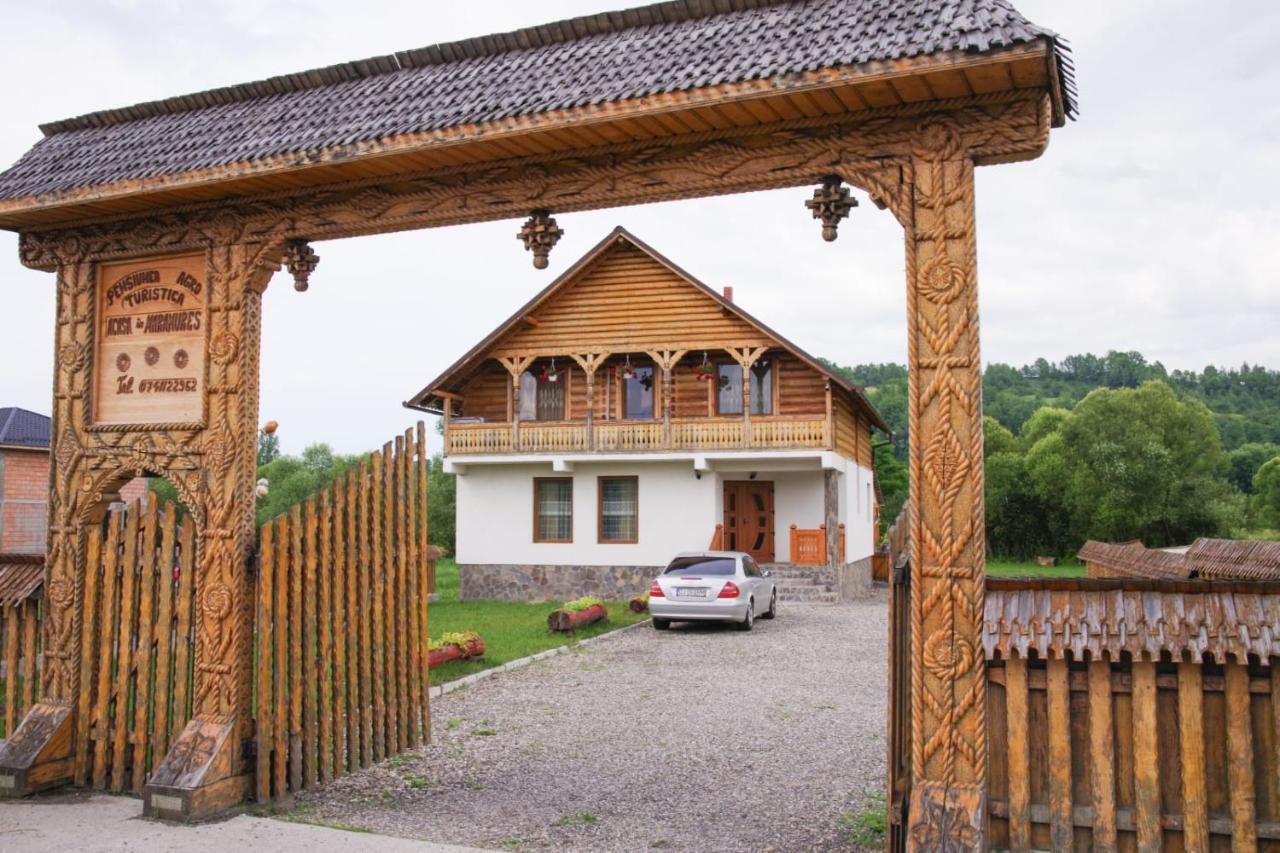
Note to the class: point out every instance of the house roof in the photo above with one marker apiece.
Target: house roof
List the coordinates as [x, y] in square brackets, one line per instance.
[21, 428]
[1060, 616]
[581, 62]
[427, 400]
[21, 576]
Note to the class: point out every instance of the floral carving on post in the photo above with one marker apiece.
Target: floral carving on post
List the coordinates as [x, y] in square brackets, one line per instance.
[948, 721]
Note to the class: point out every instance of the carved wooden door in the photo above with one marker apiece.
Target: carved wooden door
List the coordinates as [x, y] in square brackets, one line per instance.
[748, 519]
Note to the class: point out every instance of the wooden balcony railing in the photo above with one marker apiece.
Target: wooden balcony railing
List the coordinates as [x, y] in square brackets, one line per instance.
[795, 432]
[809, 545]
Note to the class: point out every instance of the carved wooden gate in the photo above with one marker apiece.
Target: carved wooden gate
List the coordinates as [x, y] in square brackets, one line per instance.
[744, 99]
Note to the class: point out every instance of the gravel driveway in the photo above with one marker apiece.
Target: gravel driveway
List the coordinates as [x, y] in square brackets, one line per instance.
[699, 738]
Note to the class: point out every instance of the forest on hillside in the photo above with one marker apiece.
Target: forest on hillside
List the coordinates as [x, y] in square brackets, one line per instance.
[1109, 447]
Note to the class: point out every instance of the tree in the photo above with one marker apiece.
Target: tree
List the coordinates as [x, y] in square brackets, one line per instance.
[1020, 523]
[1045, 421]
[995, 438]
[442, 506]
[891, 476]
[1134, 464]
[1246, 460]
[1266, 492]
[268, 447]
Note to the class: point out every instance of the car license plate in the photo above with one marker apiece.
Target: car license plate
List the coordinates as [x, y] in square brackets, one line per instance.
[690, 592]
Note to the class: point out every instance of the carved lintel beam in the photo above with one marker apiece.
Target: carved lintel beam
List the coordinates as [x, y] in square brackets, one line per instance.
[301, 260]
[831, 202]
[539, 234]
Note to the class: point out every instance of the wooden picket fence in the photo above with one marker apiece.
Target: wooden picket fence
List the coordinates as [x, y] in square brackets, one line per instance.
[19, 651]
[341, 653]
[137, 644]
[1133, 715]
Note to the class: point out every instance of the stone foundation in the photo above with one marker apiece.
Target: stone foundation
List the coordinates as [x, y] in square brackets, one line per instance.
[854, 579]
[552, 583]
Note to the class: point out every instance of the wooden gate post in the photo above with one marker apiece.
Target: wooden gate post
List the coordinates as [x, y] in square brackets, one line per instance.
[948, 683]
[204, 771]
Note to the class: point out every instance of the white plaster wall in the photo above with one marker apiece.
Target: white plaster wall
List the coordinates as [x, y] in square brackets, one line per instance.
[678, 512]
[857, 510]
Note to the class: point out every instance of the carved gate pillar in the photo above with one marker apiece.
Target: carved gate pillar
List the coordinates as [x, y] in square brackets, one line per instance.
[205, 771]
[948, 690]
[197, 427]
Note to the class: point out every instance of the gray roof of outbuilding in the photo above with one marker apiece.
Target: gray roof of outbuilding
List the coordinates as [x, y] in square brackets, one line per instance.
[21, 428]
[614, 56]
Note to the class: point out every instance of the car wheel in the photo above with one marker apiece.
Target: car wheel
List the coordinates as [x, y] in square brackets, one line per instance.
[661, 624]
[773, 607]
[748, 621]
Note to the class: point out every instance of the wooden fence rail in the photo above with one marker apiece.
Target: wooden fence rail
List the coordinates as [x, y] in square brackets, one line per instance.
[341, 655]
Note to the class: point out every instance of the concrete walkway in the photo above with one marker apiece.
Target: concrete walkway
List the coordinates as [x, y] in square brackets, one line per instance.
[92, 822]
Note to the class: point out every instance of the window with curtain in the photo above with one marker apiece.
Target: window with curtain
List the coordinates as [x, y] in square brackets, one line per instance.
[552, 509]
[729, 401]
[541, 399]
[730, 398]
[619, 510]
[637, 393]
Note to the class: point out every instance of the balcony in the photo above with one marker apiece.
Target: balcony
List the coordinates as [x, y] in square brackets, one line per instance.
[771, 432]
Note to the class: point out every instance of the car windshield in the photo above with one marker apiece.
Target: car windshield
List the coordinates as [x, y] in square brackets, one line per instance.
[702, 566]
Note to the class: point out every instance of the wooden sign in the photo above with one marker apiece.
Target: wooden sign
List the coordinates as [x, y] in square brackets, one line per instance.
[151, 329]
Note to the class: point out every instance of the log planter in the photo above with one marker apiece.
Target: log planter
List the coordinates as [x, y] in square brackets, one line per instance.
[452, 652]
[567, 620]
[639, 604]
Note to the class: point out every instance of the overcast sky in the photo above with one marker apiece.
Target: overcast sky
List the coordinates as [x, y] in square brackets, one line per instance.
[1150, 224]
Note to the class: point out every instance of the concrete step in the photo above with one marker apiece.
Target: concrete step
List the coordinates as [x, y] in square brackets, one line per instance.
[807, 595]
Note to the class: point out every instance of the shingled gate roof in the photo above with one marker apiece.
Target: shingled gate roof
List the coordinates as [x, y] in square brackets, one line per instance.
[21, 576]
[1131, 559]
[598, 59]
[426, 399]
[21, 428]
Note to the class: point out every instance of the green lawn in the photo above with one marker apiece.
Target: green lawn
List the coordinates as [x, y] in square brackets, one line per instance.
[1013, 569]
[510, 629]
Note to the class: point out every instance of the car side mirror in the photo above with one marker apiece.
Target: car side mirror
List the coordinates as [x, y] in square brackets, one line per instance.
[766, 574]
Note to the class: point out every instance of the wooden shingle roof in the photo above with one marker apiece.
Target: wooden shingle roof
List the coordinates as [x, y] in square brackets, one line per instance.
[1234, 558]
[1133, 560]
[599, 59]
[1111, 617]
[20, 577]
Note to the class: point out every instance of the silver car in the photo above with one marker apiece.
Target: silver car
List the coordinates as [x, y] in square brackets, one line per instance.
[724, 586]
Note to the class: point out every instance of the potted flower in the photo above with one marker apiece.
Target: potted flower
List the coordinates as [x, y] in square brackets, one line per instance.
[549, 372]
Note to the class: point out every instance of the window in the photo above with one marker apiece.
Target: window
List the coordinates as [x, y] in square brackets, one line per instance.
[730, 398]
[619, 521]
[542, 399]
[552, 509]
[637, 393]
[698, 566]
[749, 568]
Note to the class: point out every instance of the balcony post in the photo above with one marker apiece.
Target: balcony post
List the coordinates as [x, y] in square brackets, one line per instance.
[746, 357]
[590, 362]
[667, 360]
[516, 365]
[831, 417]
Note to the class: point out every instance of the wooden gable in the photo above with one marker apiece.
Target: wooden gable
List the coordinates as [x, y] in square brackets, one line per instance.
[626, 300]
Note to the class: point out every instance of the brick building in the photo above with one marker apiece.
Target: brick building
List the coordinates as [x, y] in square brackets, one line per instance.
[24, 481]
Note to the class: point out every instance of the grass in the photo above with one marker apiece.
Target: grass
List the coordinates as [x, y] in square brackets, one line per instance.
[865, 827]
[1015, 569]
[511, 629]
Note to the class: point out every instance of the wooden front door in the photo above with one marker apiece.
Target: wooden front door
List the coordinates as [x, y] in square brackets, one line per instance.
[748, 519]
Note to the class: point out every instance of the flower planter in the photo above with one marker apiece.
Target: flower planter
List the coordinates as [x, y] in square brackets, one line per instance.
[452, 652]
[639, 604]
[565, 620]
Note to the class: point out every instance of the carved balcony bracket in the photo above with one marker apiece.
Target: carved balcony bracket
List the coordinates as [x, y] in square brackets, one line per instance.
[831, 202]
[539, 234]
[301, 260]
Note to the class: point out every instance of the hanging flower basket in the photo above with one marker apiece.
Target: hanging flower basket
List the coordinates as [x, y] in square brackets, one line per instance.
[549, 372]
[705, 371]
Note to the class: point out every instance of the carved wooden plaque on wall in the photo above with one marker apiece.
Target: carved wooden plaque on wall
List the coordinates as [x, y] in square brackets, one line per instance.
[151, 334]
